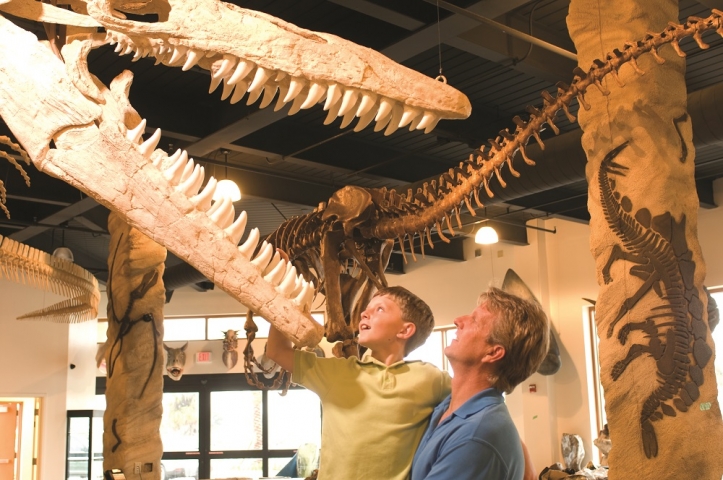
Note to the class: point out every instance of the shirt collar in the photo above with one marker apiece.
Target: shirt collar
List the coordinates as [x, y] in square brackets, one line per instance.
[485, 398]
[368, 358]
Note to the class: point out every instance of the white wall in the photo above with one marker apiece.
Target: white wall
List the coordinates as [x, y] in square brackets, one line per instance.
[35, 364]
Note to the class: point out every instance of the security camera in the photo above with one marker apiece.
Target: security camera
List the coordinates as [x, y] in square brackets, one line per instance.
[72, 366]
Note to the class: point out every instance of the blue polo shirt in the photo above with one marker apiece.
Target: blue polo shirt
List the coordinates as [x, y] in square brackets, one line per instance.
[477, 442]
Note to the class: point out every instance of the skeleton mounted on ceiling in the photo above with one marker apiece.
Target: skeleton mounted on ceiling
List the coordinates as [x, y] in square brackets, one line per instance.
[67, 120]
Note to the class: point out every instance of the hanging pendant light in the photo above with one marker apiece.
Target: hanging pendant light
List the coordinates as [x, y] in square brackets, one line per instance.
[226, 187]
[486, 236]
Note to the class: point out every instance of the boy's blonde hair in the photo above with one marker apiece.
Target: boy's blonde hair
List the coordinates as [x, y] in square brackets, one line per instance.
[414, 310]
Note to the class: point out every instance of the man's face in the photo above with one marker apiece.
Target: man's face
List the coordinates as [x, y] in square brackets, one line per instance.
[473, 331]
[380, 322]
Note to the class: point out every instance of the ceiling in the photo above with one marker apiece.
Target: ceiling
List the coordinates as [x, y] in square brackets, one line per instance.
[287, 165]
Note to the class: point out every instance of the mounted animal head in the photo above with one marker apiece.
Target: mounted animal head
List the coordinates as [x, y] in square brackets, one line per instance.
[230, 340]
[175, 361]
[513, 284]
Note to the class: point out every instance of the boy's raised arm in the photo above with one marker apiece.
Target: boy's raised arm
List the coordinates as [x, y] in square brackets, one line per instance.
[280, 350]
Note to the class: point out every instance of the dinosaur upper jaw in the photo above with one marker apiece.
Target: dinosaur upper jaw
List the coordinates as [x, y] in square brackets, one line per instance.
[248, 51]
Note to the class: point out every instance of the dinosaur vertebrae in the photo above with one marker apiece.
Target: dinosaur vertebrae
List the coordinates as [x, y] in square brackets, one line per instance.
[24, 156]
[23, 264]
[437, 199]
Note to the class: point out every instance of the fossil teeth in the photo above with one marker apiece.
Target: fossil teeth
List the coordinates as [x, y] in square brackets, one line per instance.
[295, 87]
[349, 101]
[149, 145]
[394, 122]
[260, 79]
[192, 58]
[417, 120]
[215, 82]
[196, 178]
[236, 231]
[306, 296]
[283, 90]
[385, 109]
[365, 120]
[120, 46]
[227, 64]
[238, 93]
[269, 94]
[228, 87]
[367, 102]
[202, 201]
[140, 53]
[174, 172]
[221, 216]
[288, 284]
[427, 119]
[296, 104]
[408, 115]
[277, 274]
[179, 52]
[254, 95]
[272, 264]
[280, 76]
[262, 258]
[333, 96]
[316, 91]
[187, 170]
[134, 135]
[333, 111]
[431, 126]
[249, 245]
[348, 117]
[243, 68]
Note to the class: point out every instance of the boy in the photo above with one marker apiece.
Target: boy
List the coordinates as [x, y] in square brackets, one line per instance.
[375, 409]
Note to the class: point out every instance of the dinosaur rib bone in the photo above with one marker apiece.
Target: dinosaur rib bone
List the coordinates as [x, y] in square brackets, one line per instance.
[21, 263]
[252, 52]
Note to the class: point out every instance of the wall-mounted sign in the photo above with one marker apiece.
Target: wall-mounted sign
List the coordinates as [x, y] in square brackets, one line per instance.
[203, 357]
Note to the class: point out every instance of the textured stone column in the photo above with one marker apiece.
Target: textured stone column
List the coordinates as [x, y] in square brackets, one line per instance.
[134, 356]
[655, 345]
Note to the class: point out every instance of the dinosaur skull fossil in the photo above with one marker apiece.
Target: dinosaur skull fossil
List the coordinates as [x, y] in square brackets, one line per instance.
[252, 52]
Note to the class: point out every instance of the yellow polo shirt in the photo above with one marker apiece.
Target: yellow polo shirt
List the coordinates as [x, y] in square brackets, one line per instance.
[373, 415]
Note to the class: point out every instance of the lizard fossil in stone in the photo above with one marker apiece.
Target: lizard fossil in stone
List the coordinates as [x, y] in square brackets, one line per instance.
[658, 248]
[360, 225]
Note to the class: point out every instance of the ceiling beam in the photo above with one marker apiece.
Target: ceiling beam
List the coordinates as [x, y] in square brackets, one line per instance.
[376, 11]
[57, 218]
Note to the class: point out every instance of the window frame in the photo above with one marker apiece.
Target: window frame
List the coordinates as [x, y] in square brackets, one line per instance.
[204, 385]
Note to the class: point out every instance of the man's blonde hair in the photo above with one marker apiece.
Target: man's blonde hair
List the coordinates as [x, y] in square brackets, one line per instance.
[414, 310]
[522, 328]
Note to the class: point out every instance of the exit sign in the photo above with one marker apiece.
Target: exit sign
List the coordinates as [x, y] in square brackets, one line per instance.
[203, 357]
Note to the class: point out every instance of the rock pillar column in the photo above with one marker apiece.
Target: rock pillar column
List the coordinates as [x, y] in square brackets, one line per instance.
[655, 345]
[134, 354]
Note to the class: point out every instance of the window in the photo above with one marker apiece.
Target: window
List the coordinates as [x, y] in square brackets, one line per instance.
[177, 329]
[218, 426]
[432, 351]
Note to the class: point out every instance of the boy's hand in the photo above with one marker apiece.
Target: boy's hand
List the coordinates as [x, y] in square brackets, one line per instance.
[280, 350]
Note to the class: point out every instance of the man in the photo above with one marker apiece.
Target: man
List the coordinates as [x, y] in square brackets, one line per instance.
[471, 434]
